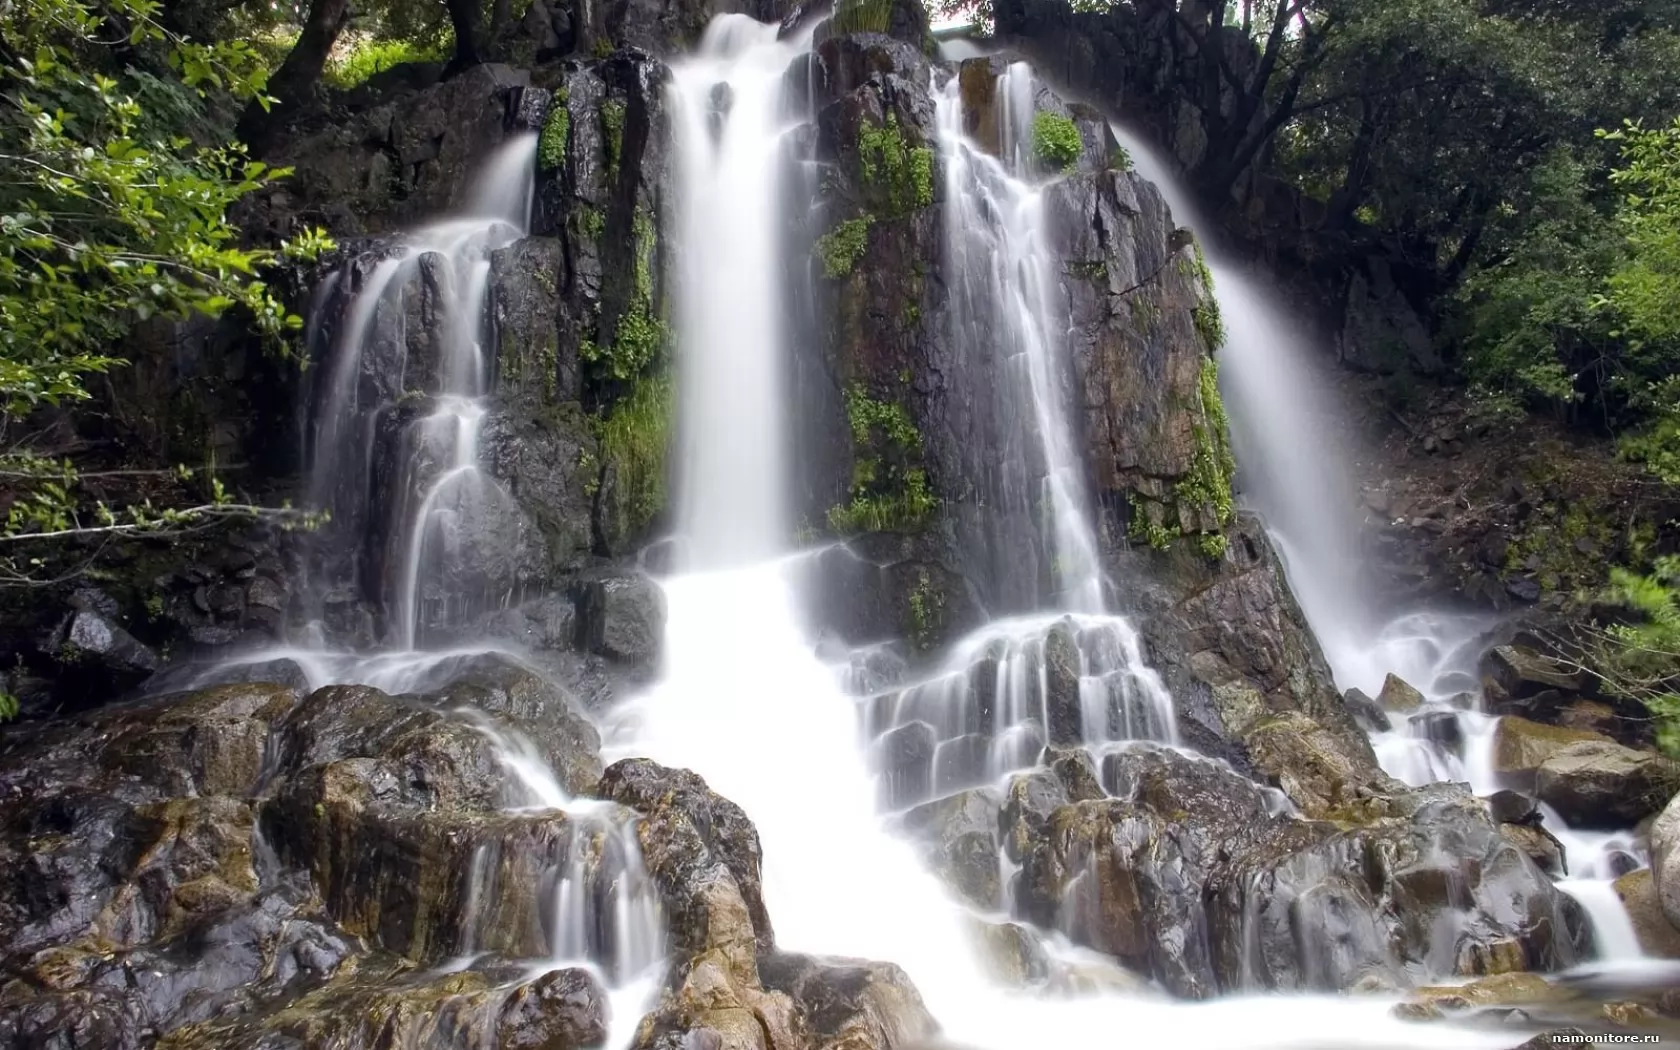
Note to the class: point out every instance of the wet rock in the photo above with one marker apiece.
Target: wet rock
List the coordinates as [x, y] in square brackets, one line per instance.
[1521, 746]
[1441, 728]
[1560, 1039]
[1398, 695]
[1030, 800]
[561, 1010]
[1597, 783]
[903, 759]
[1658, 937]
[704, 855]
[1510, 989]
[850, 1002]
[543, 711]
[1540, 846]
[1317, 769]
[621, 618]
[959, 837]
[1061, 699]
[525, 309]
[1010, 953]
[1186, 874]
[1366, 711]
[1665, 859]
[1522, 673]
[1512, 807]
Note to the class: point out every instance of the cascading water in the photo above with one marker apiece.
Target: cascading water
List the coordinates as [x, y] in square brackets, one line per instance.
[745, 701]
[1288, 436]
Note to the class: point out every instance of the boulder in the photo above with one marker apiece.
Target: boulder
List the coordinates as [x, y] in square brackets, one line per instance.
[959, 839]
[1601, 784]
[1187, 875]
[703, 855]
[561, 1010]
[1513, 807]
[1665, 859]
[1366, 711]
[1658, 937]
[1540, 846]
[1316, 768]
[1521, 746]
[1523, 673]
[621, 618]
[1398, 695]
[847, 1003]
[544, 713]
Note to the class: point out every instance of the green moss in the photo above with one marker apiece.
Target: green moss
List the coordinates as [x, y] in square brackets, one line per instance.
[840, 248]
[588, 221]
[1205, 487]
[640, 336]
[1119, 159]
[1144, 528]
[603, 47]
[927, 612]
[369, 57]
[612, 133]
[634, 438]
[556, 130]
[861, 16]
[1209, 324]
[1212, 466]
[1056, 141]
[889, 489]
[899, 174]
[1086, 269]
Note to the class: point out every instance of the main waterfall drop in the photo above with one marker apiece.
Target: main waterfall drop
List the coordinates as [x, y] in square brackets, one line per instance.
[745, 699]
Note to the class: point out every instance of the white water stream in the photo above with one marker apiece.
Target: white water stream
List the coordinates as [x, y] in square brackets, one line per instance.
[1291, 442]
[746, 702]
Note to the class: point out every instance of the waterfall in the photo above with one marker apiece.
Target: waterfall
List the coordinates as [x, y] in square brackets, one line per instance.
[744, 699]
[1287, 433]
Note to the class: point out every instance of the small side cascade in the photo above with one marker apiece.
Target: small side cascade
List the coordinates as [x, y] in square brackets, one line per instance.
[405, 377]
[1004, 694]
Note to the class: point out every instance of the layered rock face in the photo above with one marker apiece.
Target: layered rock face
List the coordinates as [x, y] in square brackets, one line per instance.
[262, 864]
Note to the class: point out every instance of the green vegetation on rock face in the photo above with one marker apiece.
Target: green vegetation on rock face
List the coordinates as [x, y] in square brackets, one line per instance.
[840, 248]
[612, 133]
[900, 174]
[1640, 658]
[635, 436]
[556, 131]
[641, 334]
[927, 611]
[1204, 491]
[1056, 141]
[861, 16]
[889, 490]
[113, 214]
[368, 56]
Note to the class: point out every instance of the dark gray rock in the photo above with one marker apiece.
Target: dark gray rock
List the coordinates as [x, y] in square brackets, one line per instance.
[621, 618]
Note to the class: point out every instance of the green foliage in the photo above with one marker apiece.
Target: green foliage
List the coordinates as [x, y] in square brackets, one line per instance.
[1641, 659]
[1143, 528]
[1119, 159]
[840, 248]
[889, 490]
[366, 56]
[1056, 141]
[556, 131]
[110, 214]
[1212, 465]
[861, 16]
[635, 437]
[1209, 324]
[927, 611]
[901, 176]
[612, 133]
[641, 335]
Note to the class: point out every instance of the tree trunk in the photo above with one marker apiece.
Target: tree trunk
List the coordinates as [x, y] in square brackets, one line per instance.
[463, 15]
[292, 84]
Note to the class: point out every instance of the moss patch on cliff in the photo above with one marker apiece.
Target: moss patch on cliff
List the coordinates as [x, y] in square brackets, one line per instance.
[861, 16]
[640, 336]
[898, 174]
[840, 248]
[634, 437]
[889, 490]
[927, 611]
[556, 130]
[612, 134]
[1200, 504]
[1056, 141]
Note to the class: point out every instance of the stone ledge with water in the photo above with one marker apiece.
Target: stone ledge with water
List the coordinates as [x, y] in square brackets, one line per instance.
[1035, 785]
